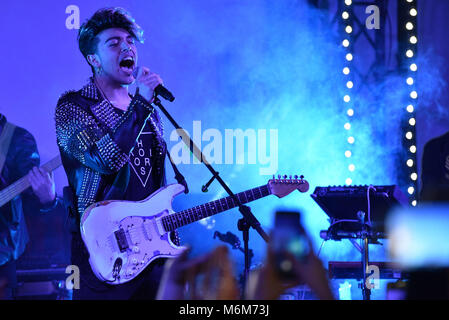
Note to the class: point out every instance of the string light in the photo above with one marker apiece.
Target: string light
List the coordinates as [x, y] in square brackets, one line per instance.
[346, 21]
[409, 135]
[410, 56]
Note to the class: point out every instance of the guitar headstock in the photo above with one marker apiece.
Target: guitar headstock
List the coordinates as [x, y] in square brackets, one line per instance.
[284, 185]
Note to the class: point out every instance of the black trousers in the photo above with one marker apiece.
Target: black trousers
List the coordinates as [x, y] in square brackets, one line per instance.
[143, 287]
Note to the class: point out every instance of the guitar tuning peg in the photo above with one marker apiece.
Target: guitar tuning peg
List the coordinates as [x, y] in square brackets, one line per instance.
[296, 176]
[290, 177]
[285, 176]
[301, 176]
[279, 176]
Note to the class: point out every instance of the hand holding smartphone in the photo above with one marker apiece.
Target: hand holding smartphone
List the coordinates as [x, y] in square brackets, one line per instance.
[289, 243]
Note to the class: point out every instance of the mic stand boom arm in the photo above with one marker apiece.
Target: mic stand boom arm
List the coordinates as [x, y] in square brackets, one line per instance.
[248, 220]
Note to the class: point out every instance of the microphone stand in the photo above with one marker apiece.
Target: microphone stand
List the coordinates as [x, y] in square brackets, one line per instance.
[248, 220]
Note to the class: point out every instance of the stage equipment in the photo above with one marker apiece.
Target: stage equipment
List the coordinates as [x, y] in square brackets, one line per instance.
[42, 284]
[358, 212]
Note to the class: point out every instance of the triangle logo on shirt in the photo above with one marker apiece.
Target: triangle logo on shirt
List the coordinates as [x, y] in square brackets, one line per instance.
[140, 158]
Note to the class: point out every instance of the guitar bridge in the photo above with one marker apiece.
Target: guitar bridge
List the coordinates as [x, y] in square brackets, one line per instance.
[120, 236]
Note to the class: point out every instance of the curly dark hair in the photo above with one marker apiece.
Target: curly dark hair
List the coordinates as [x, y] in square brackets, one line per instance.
[103, 19]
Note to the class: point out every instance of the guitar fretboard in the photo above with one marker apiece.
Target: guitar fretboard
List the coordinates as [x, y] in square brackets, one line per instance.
[185, 217]
[22, 184]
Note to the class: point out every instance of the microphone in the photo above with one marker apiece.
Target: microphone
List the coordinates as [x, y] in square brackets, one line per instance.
[160, 90]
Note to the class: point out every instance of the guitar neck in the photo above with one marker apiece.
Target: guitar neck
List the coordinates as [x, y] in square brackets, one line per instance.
[8, 193]
[185, 217]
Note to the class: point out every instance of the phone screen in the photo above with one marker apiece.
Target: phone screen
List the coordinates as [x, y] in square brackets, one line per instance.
[288, 236]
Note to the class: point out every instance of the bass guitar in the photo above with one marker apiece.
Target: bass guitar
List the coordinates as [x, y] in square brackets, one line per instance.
[16, 188]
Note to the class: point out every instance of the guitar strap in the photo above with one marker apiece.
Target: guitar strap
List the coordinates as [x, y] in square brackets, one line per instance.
[5, 141]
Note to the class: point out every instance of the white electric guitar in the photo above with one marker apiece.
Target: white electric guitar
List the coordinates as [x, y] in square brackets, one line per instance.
[124, 237]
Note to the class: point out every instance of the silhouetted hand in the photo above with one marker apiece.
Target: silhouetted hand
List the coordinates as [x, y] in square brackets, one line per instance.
[208, 277]
[267, 283]
[314, 275]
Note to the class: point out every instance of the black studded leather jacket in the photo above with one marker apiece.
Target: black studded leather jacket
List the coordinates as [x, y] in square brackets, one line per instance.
[95, 143]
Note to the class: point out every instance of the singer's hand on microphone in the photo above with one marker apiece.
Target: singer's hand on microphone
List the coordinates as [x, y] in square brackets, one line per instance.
[147, 81]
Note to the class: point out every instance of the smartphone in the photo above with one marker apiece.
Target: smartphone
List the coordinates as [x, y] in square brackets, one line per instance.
[288, 235]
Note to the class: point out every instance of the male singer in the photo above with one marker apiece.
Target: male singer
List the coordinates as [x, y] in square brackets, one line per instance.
[111, 140]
